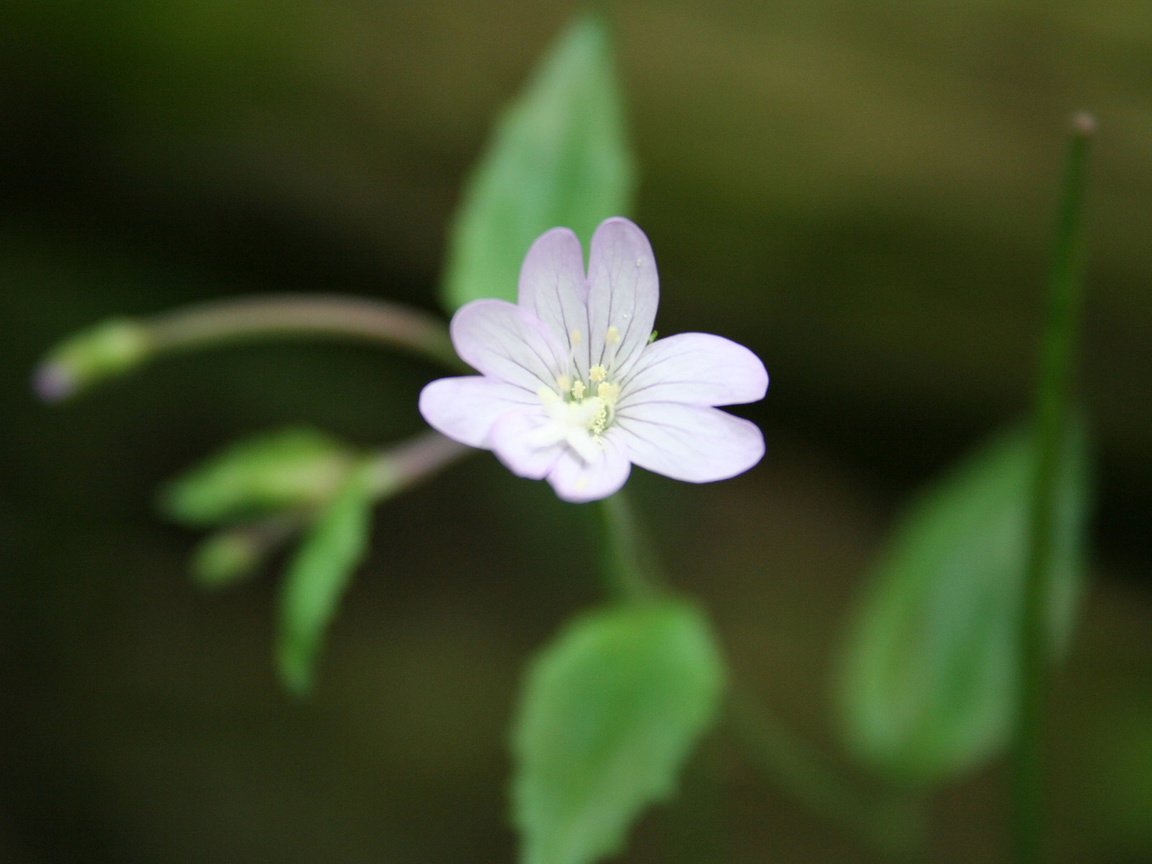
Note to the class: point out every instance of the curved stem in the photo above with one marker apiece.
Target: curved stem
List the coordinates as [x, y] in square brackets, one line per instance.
[281, 316]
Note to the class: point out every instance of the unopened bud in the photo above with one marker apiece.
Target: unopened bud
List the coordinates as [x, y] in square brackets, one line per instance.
[104, 351]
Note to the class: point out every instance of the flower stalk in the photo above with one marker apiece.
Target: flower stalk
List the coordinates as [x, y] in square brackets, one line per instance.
[630, 573]
[418, 459]
[119, 346]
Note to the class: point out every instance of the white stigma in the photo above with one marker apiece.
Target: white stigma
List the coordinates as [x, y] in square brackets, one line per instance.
[579, 412]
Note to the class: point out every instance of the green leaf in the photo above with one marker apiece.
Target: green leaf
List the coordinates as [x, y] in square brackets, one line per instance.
[610, 713]
[929, 681]
[278, 471]
[317, 578]
[559, 156]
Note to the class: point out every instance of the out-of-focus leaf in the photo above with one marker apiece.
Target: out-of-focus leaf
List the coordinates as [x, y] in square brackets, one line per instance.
[929, 680]
[279, 471]
[611, 711]
[559, 156]
[317, 578]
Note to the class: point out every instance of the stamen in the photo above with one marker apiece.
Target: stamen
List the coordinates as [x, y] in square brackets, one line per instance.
[611, 346]
[564, 383]
[597, 374]
[578, 389]
[576, 337]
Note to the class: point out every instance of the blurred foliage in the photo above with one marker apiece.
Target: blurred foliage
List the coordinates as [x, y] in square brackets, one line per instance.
[929, 681]
[559, 156]
[610, 714]
[862, 194]
[318, 576]
[279, 471]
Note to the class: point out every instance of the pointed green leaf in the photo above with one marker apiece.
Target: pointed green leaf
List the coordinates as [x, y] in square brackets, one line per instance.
[317, 578]
[610, 713]
[273, 472]
[929, 680]
[559, 156]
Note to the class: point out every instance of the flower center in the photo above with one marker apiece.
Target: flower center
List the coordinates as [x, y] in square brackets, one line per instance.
[579, 410]
[578, 414]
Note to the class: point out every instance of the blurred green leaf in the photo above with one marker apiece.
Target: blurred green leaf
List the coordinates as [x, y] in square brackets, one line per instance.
[929, 680]
[278, 471]
[610, 713]
[318, 577]
[559, 156]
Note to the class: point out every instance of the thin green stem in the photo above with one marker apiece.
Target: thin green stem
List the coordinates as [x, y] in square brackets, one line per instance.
[278, 316]
[629, 569]
[1065, 292]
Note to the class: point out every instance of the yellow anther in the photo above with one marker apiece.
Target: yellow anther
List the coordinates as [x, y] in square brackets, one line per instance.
[563, 382]
[608, 391]
[612, 336]
[576, 337]
[578, 390]
[597, 374]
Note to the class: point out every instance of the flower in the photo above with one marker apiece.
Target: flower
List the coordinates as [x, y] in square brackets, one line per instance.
[574, 389]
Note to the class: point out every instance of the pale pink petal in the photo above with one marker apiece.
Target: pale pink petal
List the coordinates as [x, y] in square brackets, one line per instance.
[522, 440]
[693, 443]
[695, 368]
[465, 409]
[553, 288]
[503, 341]
[576, 479]
[623, 293]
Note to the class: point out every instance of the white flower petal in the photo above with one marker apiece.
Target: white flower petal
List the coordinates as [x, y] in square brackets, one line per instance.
[508, 343]
[578, 480]
[693, 443]
[465, 408]
[527, 442]
[553, 288]
[695, 368]
[623, 293]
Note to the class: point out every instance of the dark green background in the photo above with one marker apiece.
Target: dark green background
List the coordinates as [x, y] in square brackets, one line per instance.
[861, 192]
